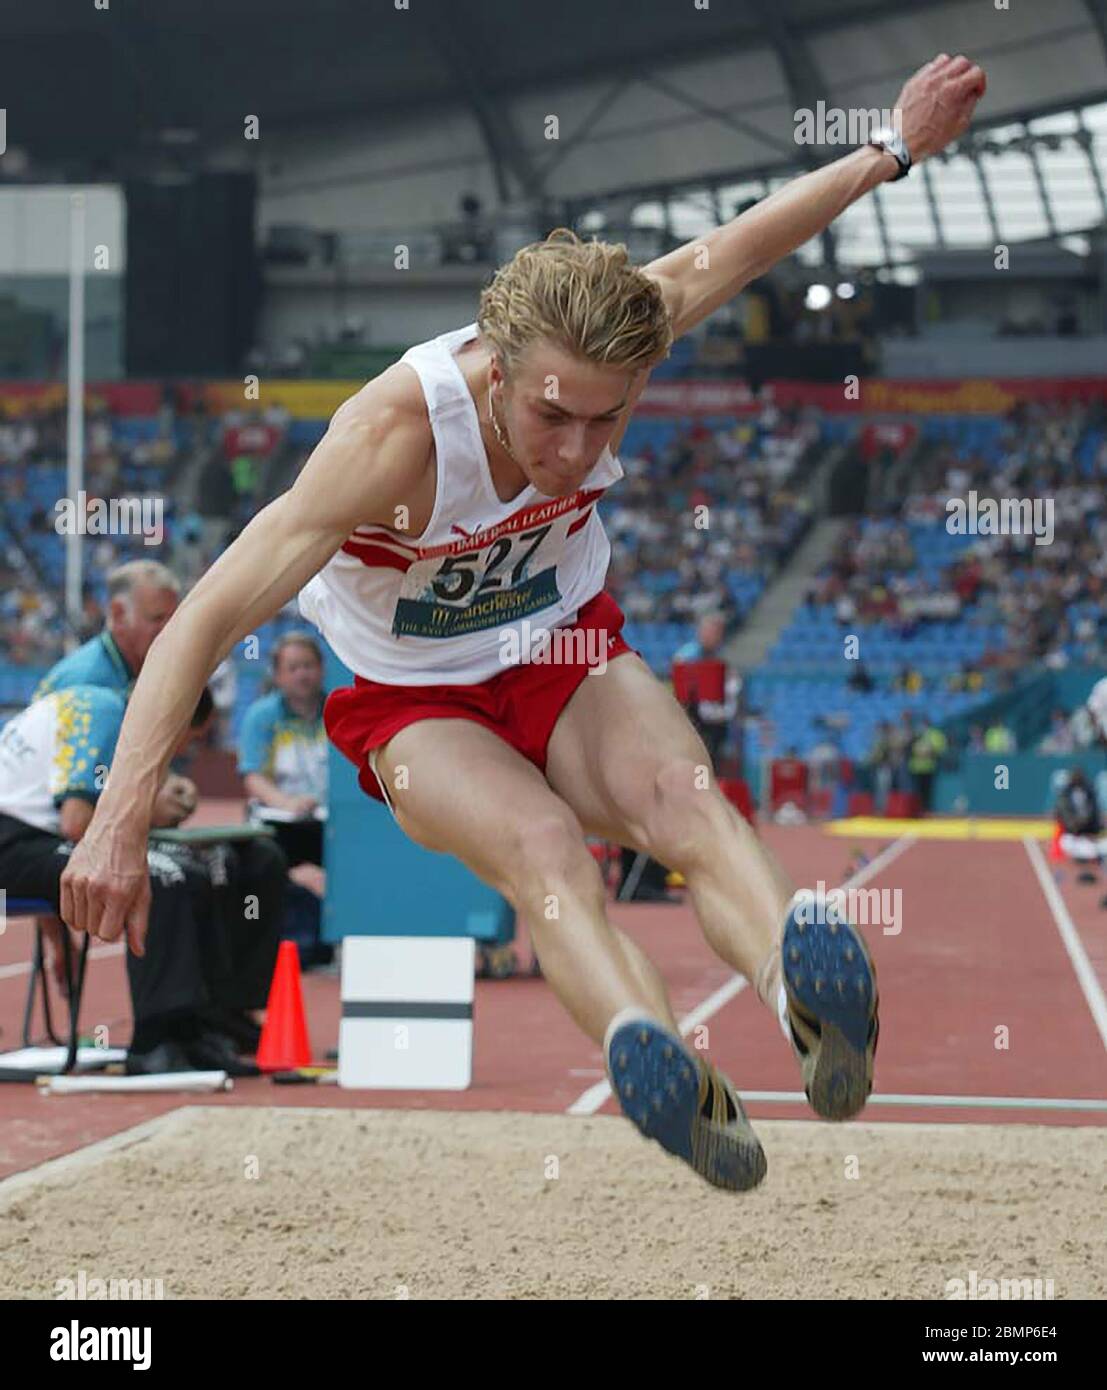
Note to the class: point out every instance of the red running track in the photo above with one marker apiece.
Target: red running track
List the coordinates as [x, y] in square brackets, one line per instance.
[979, 950]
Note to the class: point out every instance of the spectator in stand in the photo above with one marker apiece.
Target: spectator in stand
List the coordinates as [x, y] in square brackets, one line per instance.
[970, 678]
[927, 751]
[845, 610]
[908, 680]
[825, 758]
[860, 680]
[1060, 741]
[998, 738]
[900, 739]
[878, 763]
[1096, 710]
[245, 474]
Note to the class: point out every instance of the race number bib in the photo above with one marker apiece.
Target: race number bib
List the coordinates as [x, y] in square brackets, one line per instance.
[475, 589]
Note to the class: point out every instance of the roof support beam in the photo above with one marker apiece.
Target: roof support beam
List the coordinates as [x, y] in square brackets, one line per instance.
[882, 224]
[806, 84]
[452, 34]
[1097, 12]
[985, 193]
[932, 204]
[565, 147]
[1039, 179]
[1087, 145]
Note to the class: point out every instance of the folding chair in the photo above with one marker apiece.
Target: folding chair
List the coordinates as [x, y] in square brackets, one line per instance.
[74, 974]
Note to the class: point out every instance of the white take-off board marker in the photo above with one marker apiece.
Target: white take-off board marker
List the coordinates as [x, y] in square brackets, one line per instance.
[407, 1013]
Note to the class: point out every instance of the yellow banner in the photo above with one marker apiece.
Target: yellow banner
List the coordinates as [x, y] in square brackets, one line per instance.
[304, 400]
[966, 397]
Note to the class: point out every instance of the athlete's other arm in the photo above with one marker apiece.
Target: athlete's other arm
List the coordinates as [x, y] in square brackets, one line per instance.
[935, 106]
[369, 462]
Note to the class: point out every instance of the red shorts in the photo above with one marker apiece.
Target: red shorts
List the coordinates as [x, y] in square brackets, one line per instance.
[521, 704]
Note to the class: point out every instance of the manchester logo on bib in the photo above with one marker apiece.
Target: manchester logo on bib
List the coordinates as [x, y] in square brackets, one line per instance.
[476, 589]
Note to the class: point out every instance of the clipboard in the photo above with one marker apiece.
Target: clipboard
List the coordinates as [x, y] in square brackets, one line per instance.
[211, 834]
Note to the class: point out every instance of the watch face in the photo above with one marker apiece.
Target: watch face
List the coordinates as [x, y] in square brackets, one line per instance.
[888, 140]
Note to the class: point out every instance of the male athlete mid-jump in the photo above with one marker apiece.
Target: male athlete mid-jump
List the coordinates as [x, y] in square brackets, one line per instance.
[449, 511]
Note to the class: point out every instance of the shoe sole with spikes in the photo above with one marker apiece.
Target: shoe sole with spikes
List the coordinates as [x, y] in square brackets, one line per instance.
[663, 1090]
[830, 983]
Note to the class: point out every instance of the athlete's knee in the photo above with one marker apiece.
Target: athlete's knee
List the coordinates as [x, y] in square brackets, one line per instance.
[687, 812]
[547, 856]
[417, 832]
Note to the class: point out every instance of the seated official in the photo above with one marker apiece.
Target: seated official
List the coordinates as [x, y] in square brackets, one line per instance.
[282, 758]
[208, 963]
[142, 596]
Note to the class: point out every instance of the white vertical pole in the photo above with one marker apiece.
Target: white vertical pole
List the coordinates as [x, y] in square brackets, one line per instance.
[75, 431]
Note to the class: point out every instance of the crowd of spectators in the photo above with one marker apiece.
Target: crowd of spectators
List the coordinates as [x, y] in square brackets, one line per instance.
[706, 505]
[1069, 733]
[1050, 598]
[32, 624]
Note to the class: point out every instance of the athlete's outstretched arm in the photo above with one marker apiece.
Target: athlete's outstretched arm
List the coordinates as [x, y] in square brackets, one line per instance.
[365, 464]
[935, 107]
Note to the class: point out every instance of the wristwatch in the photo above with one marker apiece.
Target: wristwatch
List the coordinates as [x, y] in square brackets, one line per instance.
[885, 138]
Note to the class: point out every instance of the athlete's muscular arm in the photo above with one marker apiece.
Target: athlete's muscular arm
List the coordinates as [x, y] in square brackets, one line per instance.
[370, 460]
[935, 106]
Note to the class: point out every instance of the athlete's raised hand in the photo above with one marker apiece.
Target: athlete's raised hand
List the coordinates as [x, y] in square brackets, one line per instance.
[937, 103]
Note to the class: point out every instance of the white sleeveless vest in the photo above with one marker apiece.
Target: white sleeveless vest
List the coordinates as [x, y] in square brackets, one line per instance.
[439, 608]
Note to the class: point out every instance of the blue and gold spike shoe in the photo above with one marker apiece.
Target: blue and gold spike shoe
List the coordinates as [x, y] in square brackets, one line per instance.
[830, 985]
[691, 1109]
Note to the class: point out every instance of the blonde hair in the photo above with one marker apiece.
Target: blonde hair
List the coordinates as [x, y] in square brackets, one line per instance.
[585, 296]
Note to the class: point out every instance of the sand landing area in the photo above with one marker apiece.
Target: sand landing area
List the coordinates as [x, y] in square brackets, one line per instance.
[240, 1203]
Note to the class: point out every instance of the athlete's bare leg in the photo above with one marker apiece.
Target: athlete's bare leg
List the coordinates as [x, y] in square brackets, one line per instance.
[626, 758]
[467, 793]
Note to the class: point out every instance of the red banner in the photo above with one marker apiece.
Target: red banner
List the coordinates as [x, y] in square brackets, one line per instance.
[251, 438]
[119, 397]
[869, 396]
[879, 435]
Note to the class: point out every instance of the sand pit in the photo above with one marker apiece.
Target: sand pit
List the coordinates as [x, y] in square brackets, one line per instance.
[395, 1203]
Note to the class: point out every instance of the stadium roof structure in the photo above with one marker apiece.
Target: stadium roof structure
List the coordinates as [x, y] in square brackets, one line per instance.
[669, 114]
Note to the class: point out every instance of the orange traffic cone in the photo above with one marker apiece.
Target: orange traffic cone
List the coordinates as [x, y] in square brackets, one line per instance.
[1056, 853]
[284, 1038]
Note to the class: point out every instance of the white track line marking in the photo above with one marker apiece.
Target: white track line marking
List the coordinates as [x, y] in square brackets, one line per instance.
[1093, 991]
[591, 1100]
[942, 1102]
[23, 967]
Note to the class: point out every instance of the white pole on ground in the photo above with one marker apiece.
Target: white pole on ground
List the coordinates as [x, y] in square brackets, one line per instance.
[75, 428]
